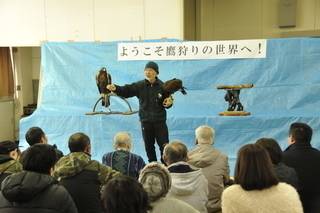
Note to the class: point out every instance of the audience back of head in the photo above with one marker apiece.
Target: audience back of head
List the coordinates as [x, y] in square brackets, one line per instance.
[39, 158]
[78, 142]
[122, 139]
[205, 135]
[124, 194]
[254, 169]
[35, 135]
[273, 149]
[301, 132]
[175, 151]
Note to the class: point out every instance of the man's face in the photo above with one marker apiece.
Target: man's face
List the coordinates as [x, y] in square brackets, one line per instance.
[150, 74]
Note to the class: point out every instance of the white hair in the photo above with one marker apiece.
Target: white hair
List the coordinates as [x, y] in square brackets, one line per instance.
[205, 134]
[122, 139]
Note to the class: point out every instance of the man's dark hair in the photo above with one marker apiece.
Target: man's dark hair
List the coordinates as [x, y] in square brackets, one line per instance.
[34, 135]
[273, 148]
[39, 158]
[301, 132]
[175, 151]
[124, 194]
[254, 169]
[78, 142]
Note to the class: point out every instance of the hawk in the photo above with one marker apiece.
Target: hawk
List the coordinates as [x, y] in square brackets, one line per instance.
[170, 87]
[102, 80]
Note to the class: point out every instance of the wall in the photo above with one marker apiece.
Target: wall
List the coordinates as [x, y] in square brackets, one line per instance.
[249, 19]
[29, 23]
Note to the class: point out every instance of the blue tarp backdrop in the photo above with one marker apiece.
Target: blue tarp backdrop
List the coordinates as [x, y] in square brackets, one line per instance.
[286, 90]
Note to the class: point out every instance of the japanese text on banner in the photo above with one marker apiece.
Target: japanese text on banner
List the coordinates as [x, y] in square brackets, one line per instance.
[192, 50]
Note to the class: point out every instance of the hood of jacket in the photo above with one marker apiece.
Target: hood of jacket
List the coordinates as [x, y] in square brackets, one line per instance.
[185, 183]
[72, 164]
[203, 155]
[5, 162]
[23, 186]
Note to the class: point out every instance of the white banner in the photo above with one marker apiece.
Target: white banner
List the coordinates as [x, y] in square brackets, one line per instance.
[193, 50]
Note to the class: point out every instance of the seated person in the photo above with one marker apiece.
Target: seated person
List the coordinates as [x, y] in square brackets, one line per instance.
[34, 190]
[81, 176]
[257, 187]
[8, 159]
[36, 135]
[285, 174]
[156, 180]
[213, 163]
[124, 194]
[122, 160]
[188, 185]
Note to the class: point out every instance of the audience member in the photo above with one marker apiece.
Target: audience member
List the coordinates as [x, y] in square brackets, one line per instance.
[33, 190]
[36, 135]
[285, 174]
[156, 180]
[188, 185]
[124, 194]
[257, 187]
[81, 176]
[213, 163]
[122, 160]
[305, 159]
[8, 159]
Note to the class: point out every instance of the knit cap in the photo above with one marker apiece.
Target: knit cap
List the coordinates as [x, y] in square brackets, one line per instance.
[153, 66]
[156, 180]
[7, 146]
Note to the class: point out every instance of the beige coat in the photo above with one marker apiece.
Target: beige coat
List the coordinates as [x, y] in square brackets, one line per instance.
[215, 167]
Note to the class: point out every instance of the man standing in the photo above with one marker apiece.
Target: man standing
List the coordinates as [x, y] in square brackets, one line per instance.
[213, 163]
[122, 160]
[81, 176]
[188, 185]
[305, 159]
[34, 190]
[152, 113]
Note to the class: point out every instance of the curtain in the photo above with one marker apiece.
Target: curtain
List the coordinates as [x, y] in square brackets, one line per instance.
[6, 74]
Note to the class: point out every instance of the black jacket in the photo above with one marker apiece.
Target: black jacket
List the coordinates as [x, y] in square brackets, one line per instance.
[306, 161]
[31, 192]
[150, 99]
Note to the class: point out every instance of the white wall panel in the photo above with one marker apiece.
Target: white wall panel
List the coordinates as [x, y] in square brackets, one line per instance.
[22, 22]
[163, 19]
[69, 20]
[118, 20]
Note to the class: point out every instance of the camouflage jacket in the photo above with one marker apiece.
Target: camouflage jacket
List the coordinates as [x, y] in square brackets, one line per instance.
[75, 162]
[9, 165]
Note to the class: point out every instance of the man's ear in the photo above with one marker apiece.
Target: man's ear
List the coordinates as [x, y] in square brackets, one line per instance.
[43, 139]
[291, 140]
[88, 149]
[165, 160]
[196, 142]
[187, 158]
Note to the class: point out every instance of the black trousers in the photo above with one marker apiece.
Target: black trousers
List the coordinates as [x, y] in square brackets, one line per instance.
[152, 132]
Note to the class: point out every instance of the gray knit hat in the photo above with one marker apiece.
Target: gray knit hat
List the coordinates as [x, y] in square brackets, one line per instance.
[152, 65]
[156, 180]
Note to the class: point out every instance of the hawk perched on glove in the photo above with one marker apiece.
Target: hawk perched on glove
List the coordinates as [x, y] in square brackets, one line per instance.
[102, 80]
[170, 87]
[174, 85]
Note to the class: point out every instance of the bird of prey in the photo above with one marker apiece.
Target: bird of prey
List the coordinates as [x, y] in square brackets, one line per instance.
[174, 85]
[102, 80]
